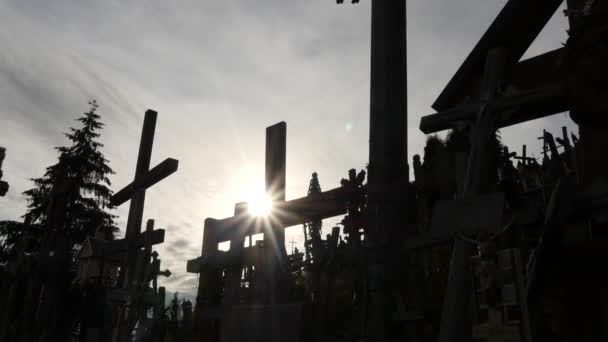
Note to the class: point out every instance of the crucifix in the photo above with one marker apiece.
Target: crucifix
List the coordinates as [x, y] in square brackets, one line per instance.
[136, 192]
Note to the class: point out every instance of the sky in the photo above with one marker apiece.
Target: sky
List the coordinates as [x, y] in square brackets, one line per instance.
[219, 72]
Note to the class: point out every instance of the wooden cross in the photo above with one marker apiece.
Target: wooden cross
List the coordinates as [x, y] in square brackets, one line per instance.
[136, 192]
[564, 141]
[524, 156]
[114, 247]
[549, 141]
[537, 81]
[478, 181]
[284, 214]
[293, 243]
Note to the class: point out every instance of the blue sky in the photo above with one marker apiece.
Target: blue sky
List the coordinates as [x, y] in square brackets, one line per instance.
[218, 73]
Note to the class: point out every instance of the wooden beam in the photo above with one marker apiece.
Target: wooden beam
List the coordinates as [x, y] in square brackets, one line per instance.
[511, 109]
[286, 214]
[158, 173]
[515, 28]
[156, 236]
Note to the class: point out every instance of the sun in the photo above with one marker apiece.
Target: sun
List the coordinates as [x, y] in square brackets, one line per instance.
[260, 204]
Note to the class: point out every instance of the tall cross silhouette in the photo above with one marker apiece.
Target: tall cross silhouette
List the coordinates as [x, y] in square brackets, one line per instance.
[292, 242]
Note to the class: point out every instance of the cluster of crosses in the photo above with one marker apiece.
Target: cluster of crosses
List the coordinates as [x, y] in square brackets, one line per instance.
[41, 289]
[491, 292]
[492, 89]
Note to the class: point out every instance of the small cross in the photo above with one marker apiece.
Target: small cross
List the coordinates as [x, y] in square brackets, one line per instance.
[292, 242]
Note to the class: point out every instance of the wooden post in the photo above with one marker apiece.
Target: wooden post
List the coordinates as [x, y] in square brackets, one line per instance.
[274, 235]
[387, 152]
[455, 317]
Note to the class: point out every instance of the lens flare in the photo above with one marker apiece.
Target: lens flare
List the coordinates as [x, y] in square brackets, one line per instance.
[260, 205]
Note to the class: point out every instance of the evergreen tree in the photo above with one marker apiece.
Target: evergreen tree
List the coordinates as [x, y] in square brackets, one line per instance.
[86, 171]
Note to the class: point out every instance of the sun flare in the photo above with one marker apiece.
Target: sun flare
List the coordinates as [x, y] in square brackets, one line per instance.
[260, 204]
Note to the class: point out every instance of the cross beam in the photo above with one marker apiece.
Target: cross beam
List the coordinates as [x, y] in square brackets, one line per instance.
[509, 110]
[286, 214]
[158, 173]
[536, 91]
[515, 28]
[156, 236]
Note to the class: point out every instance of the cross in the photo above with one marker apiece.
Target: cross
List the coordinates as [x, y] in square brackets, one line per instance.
[284, 214]
[388, 169]
[549, 141]
[524, 157]
[564, 141]
[153, 237]
[292, 242]
[537, 81]
[136, 191]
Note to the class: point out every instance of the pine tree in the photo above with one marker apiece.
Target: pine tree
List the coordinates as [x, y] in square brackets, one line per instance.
[86, 170]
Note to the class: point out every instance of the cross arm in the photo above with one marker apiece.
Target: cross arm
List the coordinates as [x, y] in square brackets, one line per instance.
[289, 213]
[515, 28]
[510, 109]
[158, 173]
[157, 236]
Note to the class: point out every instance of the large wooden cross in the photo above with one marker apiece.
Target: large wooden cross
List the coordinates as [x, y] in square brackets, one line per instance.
[136, 192]
[284, 214]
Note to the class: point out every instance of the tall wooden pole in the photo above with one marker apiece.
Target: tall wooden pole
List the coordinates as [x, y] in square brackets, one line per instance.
[136, 206]
[387, 152]
[274, 235]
